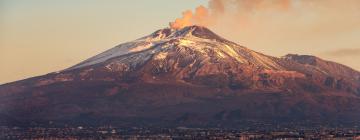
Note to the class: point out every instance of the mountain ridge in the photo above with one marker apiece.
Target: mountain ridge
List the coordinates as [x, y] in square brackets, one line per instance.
[187, 77]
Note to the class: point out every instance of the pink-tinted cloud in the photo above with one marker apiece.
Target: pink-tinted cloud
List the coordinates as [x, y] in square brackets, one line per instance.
[346, 52]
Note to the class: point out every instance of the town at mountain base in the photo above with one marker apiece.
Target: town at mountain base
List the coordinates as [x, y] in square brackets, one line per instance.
[187, 77]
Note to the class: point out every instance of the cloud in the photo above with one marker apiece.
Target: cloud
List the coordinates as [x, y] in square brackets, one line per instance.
[206, 16]
[279, 23]
[279, 27]
[239, 14]
[346, 52]
[199, 17]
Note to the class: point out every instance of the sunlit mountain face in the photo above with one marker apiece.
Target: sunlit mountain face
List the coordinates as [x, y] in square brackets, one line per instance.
[191, 77]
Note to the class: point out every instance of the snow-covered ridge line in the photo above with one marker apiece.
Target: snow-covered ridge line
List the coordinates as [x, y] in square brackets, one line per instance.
[144, 43]
[195, 38]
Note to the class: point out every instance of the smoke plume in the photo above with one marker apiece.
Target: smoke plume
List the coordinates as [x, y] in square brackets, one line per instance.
[249, 12]
[199, 17]
[216, 8]
[278, 27]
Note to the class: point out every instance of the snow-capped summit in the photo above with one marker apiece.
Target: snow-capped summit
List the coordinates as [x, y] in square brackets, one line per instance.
[196, 40]
[187, 77]
[197, 31]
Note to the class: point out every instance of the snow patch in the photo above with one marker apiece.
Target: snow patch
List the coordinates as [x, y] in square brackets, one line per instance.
[156, 45]
[161, 56]
[185, 42]
[220, 54]
[147, 45]
[108, 67]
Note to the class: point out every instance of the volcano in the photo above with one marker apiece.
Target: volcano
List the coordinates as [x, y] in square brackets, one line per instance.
[188, 77]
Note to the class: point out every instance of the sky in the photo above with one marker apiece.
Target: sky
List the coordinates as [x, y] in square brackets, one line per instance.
[42, 36]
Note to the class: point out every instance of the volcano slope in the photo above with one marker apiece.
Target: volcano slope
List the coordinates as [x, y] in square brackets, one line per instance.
[188, 77]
